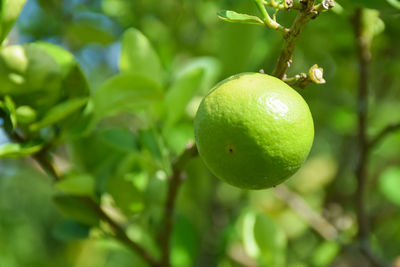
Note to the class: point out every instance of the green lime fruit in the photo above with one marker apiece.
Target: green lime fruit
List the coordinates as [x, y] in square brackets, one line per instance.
[253, 131]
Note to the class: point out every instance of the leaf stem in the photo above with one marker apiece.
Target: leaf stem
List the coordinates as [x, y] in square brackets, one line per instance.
[269, 22]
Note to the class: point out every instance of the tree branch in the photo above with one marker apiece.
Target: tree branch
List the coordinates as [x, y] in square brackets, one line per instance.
[119, 232]
[176, 180]
[363, 147]
[316, 221]
[43, 158]
[291, 37]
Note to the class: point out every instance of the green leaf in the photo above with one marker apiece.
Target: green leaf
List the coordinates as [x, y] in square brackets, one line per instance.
[263, 239]
[25, 114]
[10, 10]
[139, 57]
[181, 91]
[10, 110]
[212, 69]
[63, 57]
[13, 150]
[127, 197]
[76, 184]
[394, 3]
[30, 76]
[69, 230]
[121, 139]
[60, 112]
[232, 16]
[74, 82]
[77, 209]
[389, 184]
[125, 93]
[325, 253]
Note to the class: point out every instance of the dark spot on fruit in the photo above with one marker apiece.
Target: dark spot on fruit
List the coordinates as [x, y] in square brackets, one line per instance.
[230, 149]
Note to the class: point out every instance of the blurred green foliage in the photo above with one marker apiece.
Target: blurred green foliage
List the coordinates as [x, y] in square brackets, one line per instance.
[118, 108]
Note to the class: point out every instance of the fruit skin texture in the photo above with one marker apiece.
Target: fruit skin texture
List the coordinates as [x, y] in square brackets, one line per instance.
[253, 131]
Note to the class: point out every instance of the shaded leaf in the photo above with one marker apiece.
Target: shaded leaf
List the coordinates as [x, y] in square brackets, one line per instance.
[60, 112]
[69, 230]
[77, 209]
[139, 57]
[232, 16]
[181, 91]
[127, 197]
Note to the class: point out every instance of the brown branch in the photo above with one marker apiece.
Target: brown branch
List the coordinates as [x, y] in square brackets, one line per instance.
[316, 221]
[291, 37]
[174, 184]
[119, 232]
[384, 133]
[364, 57]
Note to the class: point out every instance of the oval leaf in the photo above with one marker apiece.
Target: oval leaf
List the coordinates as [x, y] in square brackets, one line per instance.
[138, 56]
[125, 92]
[77, 209]
[59, 112]
[181, 91]
[232, 16]
[389, 184]
[10, 12]
[14, 150]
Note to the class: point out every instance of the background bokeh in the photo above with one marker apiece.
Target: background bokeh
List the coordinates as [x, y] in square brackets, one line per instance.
[216, 224]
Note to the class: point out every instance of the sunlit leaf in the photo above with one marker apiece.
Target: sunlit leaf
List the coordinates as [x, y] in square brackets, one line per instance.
[232, 16]
[389, 184]
[263, 239]
[76, 184]
[13, 150]
[139, 57]
[125, 93]
[10, 10]
[394, 3]
[325, 253]
[25, 114]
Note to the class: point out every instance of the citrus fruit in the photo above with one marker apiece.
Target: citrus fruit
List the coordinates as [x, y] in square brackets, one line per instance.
[253, 130]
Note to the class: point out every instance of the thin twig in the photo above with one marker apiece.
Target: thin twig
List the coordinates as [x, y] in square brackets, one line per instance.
[291, 37]
[361, 168]
[384, 133]
[316, 221]
[119, 232]
[176, 180]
